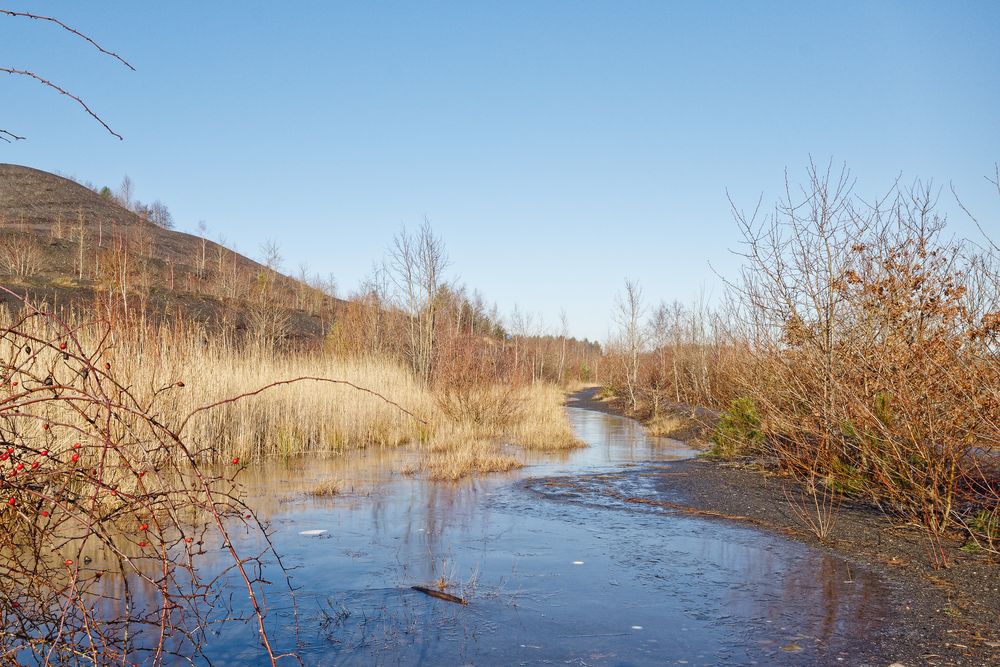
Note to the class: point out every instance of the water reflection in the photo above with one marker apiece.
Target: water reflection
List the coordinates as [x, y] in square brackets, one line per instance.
[550, 580]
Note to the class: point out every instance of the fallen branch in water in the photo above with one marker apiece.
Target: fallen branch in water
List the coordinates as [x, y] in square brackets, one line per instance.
[447, 597]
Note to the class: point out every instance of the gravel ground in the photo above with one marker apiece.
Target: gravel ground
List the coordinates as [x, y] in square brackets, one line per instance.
[947, 616]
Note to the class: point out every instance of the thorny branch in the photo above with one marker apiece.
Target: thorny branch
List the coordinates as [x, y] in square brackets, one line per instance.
[70, 29]
[62, 91]
[8, 136]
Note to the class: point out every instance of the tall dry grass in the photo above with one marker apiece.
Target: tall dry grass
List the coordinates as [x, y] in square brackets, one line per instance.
[283, 420]
[289, 419]
[468, 423]
[541, 424]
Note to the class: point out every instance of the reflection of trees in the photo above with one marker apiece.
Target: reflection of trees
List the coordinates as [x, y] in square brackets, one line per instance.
[729, 579]
[429, 519]
[616, 439]
[759, 577]
[787, 583]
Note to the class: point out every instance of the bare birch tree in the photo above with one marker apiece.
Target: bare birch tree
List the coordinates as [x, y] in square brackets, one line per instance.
[563, 335]
[416, 265]
[628, 315]
[126, 192]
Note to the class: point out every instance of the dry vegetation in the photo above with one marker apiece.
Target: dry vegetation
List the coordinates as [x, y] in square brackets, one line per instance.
[181, 308]
[111, 423]
[106, 511]
[482, 429]
[859, 351]
[311, 415]
[327, 487]
[453, 459]
[157, 402]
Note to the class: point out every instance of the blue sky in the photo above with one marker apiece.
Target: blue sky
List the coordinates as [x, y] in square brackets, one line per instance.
[557, 147]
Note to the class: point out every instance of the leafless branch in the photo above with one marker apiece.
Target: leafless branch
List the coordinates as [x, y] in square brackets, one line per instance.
[62, 91]
[70, 29]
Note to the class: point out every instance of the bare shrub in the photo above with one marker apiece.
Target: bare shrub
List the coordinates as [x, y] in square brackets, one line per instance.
[817, 511]
[871, 347]
[267, 324]
[859, 348]
[20, 253]
[106, 511]
[489, 408]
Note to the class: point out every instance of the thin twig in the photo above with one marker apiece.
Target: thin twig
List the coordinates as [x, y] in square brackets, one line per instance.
[48, 84]
[70, 29]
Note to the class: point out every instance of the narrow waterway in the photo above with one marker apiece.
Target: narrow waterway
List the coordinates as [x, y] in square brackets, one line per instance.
[551, 576]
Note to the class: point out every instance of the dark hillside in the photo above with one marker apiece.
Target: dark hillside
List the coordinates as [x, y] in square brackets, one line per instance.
[68, 245]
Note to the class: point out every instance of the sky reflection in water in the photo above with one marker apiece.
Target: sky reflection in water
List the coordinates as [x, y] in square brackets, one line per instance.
[578, 581]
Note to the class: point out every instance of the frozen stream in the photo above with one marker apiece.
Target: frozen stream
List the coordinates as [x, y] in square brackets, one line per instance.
[551, 578]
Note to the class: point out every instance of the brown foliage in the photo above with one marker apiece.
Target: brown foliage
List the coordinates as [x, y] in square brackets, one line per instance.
[868, 344]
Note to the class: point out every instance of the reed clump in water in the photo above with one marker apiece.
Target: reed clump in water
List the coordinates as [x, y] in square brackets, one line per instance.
[454, 459]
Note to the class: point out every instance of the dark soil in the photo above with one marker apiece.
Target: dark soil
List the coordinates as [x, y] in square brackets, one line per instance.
[949, 615]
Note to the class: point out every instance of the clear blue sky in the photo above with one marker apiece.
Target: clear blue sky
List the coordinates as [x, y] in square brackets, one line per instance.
[556, 146]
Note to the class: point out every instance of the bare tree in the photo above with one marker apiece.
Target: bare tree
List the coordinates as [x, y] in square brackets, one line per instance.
[160, 215]
[81, 234]
[221, 251]
[521, 323]
[660, 339]
[796, 259]
[563, 335]
[203, 234]
[416, 265]
[302, 289]
[328, 285]
[629, 313]
[267, 325]
[126, 192]
[20, 254]
[271, 258]
[271, 255]
[371, 309]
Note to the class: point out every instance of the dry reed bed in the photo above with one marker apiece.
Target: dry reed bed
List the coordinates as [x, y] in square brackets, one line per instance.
[480, 429]
[178, 369]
